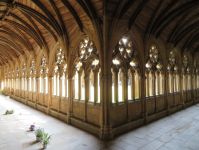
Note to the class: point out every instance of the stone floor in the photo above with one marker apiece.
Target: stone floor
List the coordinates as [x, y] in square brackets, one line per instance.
[179, 131]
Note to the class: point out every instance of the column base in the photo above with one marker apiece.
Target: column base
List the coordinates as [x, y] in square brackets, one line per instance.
[85, 119]
[106, 133]
[128, 120]
[69, 114]
[168, 109]
[146, 118]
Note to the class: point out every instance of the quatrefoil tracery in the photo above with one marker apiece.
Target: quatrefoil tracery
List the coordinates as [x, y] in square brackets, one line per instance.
[126, 47]
[85, 48]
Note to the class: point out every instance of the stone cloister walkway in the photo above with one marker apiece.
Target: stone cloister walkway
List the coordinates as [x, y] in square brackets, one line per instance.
[179, 131]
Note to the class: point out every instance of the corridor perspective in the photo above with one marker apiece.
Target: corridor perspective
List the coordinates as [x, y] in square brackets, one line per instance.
[112, 73]
[180, 131]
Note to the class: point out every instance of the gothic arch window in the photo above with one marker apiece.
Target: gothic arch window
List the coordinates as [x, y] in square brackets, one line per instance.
[177, 79]
[197, 76]
[186, 73]
[64, 82]
[188, 78]
[18, 79]
[117, 90]
[13, 79]
[32, 80]
[195, 80]
[133, 80]
[125, 72]
[82, 85]
[43, 79]
[86, 69]
[173, 75]
[24, 80]
[154, 73]
[59, 74]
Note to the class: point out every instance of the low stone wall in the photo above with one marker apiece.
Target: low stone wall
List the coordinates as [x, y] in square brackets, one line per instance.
[120, 123]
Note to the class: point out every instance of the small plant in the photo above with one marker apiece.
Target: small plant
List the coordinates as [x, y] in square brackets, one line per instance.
[11, 111]
[7, 112]
[39, 134]
[46, 139]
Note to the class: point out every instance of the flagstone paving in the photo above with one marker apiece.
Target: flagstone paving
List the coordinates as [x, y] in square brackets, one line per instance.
[179, 131]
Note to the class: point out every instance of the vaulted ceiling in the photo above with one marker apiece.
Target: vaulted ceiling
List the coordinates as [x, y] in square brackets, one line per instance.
[29, 25]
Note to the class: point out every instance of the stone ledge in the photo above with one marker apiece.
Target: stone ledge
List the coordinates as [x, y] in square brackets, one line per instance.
[85, 126]
[58, 115]
[42, 108]
[176, 109]
[127, 127]
[157, 116]
[188, 104]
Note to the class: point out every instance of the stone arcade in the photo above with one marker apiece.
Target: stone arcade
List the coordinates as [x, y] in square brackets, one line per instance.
[105, 66]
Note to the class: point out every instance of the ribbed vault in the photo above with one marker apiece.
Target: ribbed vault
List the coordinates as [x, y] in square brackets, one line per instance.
[31, 25]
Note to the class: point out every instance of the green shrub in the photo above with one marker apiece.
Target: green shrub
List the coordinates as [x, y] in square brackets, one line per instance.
[46, 138]
[39, 132]
[7, 112]
[12, 111]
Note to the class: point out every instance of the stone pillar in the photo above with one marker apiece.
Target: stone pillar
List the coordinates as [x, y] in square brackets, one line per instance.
[106, 129]
[60, 92]
[70, 99]
[49, 94]
[95, 87]
[87, 79]
[44, 89]
[66, 88]
[154, 90]
[115, 78]
[182, 90]
[143, 97]
[192, 89]
[26, 93]
[37, 91]
[80, 86]
[133, 85]
[186, 80]
[20, 83]
[173, 83]
[196, 87]
[166, 91]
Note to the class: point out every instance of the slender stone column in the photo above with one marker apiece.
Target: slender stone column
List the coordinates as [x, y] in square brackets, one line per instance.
[173, 83]
[166, 92]
[95, 87]
[133, 85]
[49, 94]
[186, 80]
[70, 99]
[196, 86]
[37, 91]
[154, 90]
[143, 96]
[26, 90]
[106, 129]
[80, 81]
[115, 78]
[60, 92]
[182, 90]
[87, 79]
[44, 89]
